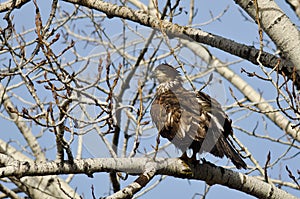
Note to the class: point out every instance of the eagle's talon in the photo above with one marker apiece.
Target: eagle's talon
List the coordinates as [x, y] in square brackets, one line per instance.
[191, 161]
[204, 161]
[184, 157]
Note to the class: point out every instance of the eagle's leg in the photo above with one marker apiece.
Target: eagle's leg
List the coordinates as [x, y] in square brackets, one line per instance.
[184, 156]
[191, 160]
[194, 156]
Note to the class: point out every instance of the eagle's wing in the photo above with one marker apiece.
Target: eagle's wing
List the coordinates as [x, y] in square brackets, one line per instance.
[216, 140]
[215, 112]
[176, 114]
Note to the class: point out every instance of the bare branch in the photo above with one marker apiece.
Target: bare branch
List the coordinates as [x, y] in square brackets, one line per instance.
[174, 30]
[277, 25]
[9, 4]
[295, 5]
[38, 186]
[23, 128]
[247, 90]
[172, 167]
[138, 184]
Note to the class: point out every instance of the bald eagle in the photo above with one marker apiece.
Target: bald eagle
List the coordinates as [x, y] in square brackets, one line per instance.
[191, 120]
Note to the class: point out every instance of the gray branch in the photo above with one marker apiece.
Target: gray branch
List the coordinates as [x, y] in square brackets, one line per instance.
[9, 4]
[207, 172]
[138, 184]
[249, 53]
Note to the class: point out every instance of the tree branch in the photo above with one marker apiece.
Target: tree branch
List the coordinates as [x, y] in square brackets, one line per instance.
[172, 167]
[138, 184]
[277, 25]
[174, 30]
[295, 5]
[8, 5]
[23, 128]
[36, 187]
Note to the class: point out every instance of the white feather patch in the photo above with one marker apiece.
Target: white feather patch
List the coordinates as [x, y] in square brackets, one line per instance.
[216, 121]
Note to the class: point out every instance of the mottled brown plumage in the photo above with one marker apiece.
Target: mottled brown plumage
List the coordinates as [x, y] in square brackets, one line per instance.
[191, 120]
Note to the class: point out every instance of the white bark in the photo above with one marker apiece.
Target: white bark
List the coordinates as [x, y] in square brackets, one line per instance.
[138, 184]
[23, 128]
[295, 4]
[37, 186]
[278, 26]
[171, 166]
[9, 4]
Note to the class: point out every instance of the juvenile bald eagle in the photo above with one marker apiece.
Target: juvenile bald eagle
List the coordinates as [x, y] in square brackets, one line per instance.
[191, 120]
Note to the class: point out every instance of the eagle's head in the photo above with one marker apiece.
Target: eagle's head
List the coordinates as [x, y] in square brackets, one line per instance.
[168, 78]
[165, 73]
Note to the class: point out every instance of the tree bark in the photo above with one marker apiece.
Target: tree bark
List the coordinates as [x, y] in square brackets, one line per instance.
[277, 25]
[207, 172]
